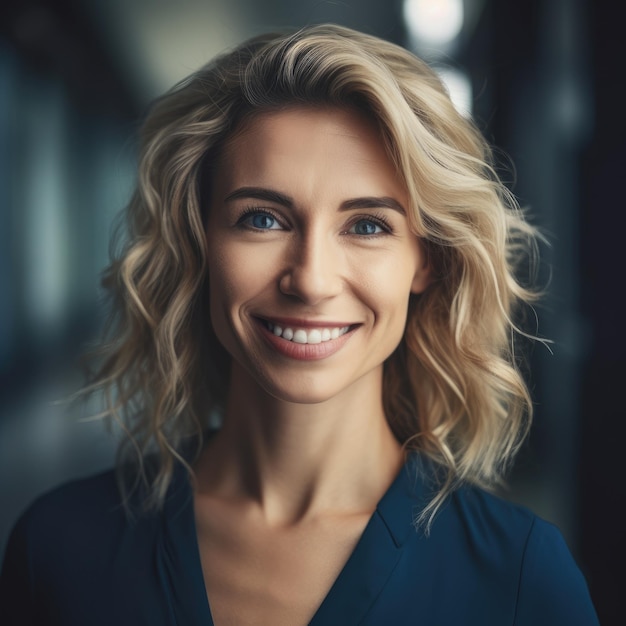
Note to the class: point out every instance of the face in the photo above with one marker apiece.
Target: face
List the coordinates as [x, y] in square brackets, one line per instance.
[311, 260]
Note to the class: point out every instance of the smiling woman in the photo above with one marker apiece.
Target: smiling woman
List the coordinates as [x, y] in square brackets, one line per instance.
[306, 233]
[321, 254]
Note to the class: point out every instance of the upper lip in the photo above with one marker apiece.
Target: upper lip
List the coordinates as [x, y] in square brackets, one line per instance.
[298, 322]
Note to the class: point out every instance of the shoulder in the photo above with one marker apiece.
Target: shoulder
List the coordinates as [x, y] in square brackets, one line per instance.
[475, 520]
[510, 541]
[73, 507]
[483, 535]
[96, 491]
[75, 550]
[74, 519]
[55, 534]
[490, 519]
[483, 560]
[492, 526]
[551, 583]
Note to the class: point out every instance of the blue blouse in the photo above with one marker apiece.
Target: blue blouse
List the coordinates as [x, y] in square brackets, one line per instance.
[75, 559]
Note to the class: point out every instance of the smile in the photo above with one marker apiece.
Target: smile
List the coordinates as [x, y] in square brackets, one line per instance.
[307, 336]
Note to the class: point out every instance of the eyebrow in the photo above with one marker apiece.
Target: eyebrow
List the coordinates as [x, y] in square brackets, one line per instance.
[270, 195]
[260, 193]
[373, 202]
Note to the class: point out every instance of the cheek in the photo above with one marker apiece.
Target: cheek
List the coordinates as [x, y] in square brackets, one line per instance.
[224, 295]
[387, 281]
[387, 288]
[222, 287]
[237, 275]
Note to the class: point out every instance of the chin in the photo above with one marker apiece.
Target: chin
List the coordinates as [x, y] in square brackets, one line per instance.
[307, 388]
[302, 393]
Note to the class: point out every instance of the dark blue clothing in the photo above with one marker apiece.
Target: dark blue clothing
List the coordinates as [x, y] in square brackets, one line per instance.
[74, 559]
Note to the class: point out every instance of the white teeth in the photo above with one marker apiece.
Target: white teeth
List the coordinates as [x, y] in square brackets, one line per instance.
[315, 335]
[299, 336]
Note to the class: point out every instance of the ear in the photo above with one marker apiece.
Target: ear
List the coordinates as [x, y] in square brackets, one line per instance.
[423, 272]
[421, 280]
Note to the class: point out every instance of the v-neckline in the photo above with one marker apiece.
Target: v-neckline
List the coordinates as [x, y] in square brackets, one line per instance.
[351, 595]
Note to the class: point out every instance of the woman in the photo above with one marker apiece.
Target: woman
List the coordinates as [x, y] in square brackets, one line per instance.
[311, 359]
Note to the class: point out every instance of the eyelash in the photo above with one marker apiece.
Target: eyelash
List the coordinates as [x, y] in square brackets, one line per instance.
[254, 210]
[377, 218]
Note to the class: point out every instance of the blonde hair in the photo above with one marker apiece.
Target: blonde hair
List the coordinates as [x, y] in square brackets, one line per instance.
[452, 388]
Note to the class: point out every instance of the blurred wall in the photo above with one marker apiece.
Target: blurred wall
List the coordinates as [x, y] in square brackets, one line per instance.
[66, 167]
[540, 79]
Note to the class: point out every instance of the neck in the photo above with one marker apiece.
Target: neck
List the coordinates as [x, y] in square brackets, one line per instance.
[296, 461]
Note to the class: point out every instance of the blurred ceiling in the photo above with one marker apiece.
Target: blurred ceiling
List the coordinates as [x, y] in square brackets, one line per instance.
[156, 43]
[130, 51]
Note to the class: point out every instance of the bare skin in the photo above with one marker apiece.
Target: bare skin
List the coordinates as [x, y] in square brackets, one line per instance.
[286, 487]
[280, 509]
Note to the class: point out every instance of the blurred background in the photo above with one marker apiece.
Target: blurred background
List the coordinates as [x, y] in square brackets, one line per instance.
[543, 79]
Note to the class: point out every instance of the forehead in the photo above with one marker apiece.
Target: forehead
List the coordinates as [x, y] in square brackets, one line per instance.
[302, 141]
[298, 119]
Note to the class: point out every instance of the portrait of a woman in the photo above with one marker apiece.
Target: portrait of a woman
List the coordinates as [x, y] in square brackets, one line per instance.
[313, 355]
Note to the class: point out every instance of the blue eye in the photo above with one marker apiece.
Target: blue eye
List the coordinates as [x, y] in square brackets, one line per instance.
[366, 227]
[259, 220]
[262, 220]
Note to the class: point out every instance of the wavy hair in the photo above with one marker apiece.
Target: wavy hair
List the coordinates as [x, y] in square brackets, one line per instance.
[452, 388]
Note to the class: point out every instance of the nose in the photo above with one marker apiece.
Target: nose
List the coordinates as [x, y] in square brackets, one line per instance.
[313, 272]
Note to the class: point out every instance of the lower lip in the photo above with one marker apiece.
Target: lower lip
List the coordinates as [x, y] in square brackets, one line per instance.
[304, 351]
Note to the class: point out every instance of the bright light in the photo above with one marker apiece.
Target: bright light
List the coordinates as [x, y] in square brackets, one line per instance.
[434, 22]
[459, 87]
[46, 227]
